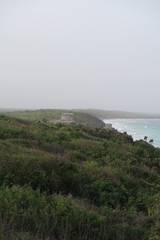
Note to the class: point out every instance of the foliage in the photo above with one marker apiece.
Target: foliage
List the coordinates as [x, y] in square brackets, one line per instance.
[76, 182]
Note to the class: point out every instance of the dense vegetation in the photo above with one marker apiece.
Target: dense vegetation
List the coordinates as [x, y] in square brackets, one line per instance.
[76, 182]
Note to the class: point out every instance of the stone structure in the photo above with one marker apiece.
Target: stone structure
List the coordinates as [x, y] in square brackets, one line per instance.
[67, 118]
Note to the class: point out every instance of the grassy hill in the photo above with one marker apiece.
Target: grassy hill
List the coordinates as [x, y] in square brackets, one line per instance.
[53, 114]
[76, 182]
[90, 117]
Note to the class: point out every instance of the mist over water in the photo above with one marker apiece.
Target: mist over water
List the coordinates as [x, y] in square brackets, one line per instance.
[139, 128]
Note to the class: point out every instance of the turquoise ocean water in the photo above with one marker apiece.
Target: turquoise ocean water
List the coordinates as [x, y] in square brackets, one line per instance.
[139, 128]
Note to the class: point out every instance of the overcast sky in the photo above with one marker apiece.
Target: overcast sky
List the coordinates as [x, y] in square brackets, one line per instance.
[80, 54]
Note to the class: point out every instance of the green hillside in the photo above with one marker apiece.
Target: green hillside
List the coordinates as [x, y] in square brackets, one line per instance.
[76, 182]
[90, 117]
[55, 114]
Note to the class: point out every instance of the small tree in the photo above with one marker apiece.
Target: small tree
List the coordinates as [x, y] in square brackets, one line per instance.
[145, 138]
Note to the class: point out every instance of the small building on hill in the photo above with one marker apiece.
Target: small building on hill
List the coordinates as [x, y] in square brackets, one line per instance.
[67, 118]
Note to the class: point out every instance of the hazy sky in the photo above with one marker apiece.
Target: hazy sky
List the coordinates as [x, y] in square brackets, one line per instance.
[80, 54]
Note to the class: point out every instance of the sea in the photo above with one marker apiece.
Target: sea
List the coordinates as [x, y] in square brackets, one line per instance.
[139, 128]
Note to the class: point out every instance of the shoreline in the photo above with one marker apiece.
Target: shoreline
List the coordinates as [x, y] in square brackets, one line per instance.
[138, 128]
